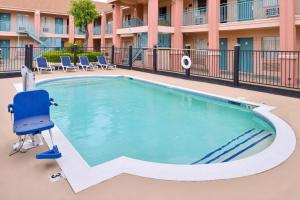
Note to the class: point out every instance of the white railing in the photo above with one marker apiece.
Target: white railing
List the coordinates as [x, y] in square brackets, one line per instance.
[54, 29]
[249, 10]
[195, 16]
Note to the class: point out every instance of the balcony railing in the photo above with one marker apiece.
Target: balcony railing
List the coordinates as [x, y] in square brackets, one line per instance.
[97, 30]
[24, 27]
[134, 22]
[54, 29]
[5, 26]
[164, 20]
[195, 16]
[249, 10]
[109, 28]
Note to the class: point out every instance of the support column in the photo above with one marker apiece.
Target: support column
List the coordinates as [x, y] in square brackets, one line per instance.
[177, 18]
[117, 23]
[90, 42]
[213, 23]
[71, 29]
[213, 36]
[289, 65]
[152, 23]
[103, 29]
[177, 37]
[37, 23]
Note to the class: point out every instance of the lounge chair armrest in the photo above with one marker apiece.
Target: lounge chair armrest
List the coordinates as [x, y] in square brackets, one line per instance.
[10, 108]
[52, 102]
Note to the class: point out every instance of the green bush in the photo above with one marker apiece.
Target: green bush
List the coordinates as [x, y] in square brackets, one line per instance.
[54, 56]
[92, 56]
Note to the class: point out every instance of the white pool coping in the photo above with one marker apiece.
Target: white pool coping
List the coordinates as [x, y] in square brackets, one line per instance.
[81, 176]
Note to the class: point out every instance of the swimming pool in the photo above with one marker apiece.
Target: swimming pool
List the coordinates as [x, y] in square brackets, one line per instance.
[106, 118]
[127, 129]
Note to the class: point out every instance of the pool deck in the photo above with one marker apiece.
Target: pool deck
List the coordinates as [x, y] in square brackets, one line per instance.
[22, 176]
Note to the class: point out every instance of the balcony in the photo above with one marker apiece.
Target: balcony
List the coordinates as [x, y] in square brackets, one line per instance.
[134, 22]
[97, 30]
[249, 10]
[4, 26]
[164, 20]
[195, 16]
[109, 28]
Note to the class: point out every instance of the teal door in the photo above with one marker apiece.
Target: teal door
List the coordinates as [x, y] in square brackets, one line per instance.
[246, 54]
[4, 22]
[4, 46]
[59, 26]
[223, 53]
[245, 10]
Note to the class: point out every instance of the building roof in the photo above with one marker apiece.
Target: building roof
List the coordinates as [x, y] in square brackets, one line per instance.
[46, 6]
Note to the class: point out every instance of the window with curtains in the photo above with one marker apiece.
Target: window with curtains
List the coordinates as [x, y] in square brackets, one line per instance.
[270, 44]
[164, 40]
[270, 47]
[200, 44]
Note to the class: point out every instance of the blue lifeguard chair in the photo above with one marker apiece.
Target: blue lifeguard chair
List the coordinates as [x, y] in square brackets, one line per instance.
[31, 112]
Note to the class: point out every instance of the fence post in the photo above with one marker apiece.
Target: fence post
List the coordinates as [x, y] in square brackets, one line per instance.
[188, 53]
[29, 56]
[130, 57]
[75, 49]
[154, 58]
[113, 54]
[236, 65]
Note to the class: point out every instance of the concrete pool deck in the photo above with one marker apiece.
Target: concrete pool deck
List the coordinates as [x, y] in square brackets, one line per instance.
[25, 177]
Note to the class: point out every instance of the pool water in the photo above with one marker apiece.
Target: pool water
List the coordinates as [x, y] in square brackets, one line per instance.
[105, 118]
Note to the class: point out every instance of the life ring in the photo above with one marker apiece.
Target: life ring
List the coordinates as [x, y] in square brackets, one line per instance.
[186, 62]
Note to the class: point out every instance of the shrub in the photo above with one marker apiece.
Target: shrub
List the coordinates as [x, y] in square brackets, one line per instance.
[54, 56]
[92, 56]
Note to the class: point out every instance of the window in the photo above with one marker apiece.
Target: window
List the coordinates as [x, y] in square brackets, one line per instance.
[200, 44]
[162, 11]
[164, 40]
[271, 45]
[44, 20]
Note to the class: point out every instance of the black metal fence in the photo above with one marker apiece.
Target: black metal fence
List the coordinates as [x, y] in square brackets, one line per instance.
[272, 69]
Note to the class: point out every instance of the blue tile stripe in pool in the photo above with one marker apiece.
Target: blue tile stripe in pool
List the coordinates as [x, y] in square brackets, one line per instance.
[222, 147]
[248, 147]
[236, 146]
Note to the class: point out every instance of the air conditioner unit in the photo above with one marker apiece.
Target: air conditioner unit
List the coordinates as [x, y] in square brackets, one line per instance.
[272, 12]
[21, 29]
[45, 30]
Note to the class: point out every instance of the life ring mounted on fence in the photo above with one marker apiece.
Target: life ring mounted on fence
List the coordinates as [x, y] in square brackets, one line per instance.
[186, 62]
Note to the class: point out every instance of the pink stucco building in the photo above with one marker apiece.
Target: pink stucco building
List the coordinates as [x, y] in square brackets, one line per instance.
[213, 24]
[200, 24]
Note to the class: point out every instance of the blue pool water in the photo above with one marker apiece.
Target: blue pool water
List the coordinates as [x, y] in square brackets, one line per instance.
[105, 118]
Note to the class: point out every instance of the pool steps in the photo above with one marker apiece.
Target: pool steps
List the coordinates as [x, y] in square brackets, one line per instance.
[229, 148]
[222, 147]
[248, 147]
